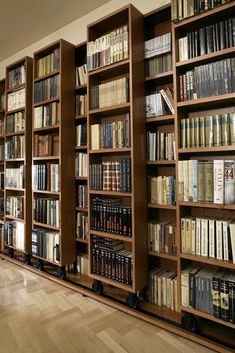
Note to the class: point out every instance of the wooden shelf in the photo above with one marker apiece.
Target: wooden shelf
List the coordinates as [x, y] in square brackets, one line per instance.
[46, 101]
[167, 207]
[110, 193]
[211, 101]
[161, 119]
[14, 218]
[161, 162]
[206, 316]
[80, 117]
[46, 192]
[84, 241]
[81, 178]
[14, 189]
[22, 132]
[120, 108]
[16, 88]
[43, 225]
[164, 256]
[81, 87]
[78, 148]
[206, 205]
[13, 111]
[46, 158]
[13, 247]
[116, 69]
[209, 261]
[46, 260]
[51, 74]
[111, 236]
[14, 160]
[162, 311]
[207, 149]
[111, 150]
[81, 209]
[46, 128]
[160, 78]
[111, 282]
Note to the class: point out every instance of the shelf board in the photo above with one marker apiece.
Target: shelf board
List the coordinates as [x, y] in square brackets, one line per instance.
[51, 74]
[161, 162]
[14, 189]
[167, 207]
[161, 119]
[13, 247]
[114, 69]
[81, 87]
[161, 311]
[46, 260]
[16, 88]
[207, 149]
[14, 160]
[112, 109]
[206, 316]
[82, 209]
[46, 192]
[2, 111]
[111, 235]
[46, 128]
[9, 112]
[2, 190]
[209, 260]
[78, 148]
[206, 58]
[15, 133]
[46, 158]
[114, 283]
[80, 240]
[14, 218]
[46, 101]
[207, 101]
[110, 150]
[38, 224]
[81, 178]
[164, 76]
[206, 205]
[164, 256]
[81, 117]
[110, 193]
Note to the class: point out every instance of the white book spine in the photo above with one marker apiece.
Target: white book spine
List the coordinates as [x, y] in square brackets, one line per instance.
[218, 181]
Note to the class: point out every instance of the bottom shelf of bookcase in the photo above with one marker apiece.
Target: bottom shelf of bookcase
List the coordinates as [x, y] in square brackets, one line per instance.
[161, 311]
[206, 316]
[46, 260]
[14, 248]
[106, 280]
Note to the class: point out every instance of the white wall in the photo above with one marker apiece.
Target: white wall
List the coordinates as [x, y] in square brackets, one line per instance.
[75, 32]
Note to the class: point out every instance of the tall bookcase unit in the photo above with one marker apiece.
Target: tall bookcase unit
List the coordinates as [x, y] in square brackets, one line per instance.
[53, 131]
[18, 141]
[158, 76]
[81, 175]
[2, 129]
[206, 105]
[131, 68]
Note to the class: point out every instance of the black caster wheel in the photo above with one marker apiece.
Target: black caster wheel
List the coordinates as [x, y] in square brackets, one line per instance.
[189, 322]
[84, 295]
[97, 287]
[39, 265]
[133, 300]
[61, 272]
[26, 259]
[10, 253]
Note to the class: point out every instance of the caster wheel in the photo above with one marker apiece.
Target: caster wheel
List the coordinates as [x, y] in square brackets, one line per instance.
[61, 272]
[133, 300]
[10, 253]
[39, 265]
[97, 287]
[84, 295]
[26, 259]
[189, 322]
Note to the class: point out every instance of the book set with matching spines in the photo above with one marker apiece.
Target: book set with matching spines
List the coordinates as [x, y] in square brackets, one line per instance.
[46, 115]
[46, 176]
[46, 145]
[14, 234]
[81, 135]
[160, 146]
[14, 177]
[81, 104]
[15, 122]
[46, 211]
[162, 190]
[81, 196]
[46, 244]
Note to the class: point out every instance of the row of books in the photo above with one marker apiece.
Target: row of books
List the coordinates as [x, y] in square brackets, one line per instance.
[111, 260]
[208, 237]
[208, 131]
[83, 264]
[46, 115]
[46, 145]
[81, 165]
[2, 102]
[161, 237]
[13, 234]
[2, 129]
[157, 46]
[47, 89]
[182, 9]
[14, 177]
[207, 181]
[158, 65]
[217, 36]
[208, 80]
[15, 147]
[115, 134]
[110, 93]
[81, 135]
[1, 213]
[2, 153]
[210, 290]
[108, 49]
[161, 190]
[81, 104]
[2, 177]
[109, 215]
[82, 200]
[15, 122]
[48, 63]
[82, 226]
[46, 244]
[111, 176]
[16, 76]
[81, 75]
[16, 100]
[46, 211]
[46, 177]
[160, 146]
[15, 206]
[163, 288]
[159, 103]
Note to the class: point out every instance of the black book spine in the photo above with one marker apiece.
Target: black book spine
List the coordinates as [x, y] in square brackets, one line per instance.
[216, 296]
[231, 290]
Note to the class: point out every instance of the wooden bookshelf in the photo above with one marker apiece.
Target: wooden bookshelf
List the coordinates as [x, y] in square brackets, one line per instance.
[2, 122]
[26, 160]
[132, 67]
[61, 128]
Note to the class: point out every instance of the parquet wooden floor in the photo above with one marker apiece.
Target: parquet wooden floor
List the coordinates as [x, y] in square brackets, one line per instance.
[39, 316]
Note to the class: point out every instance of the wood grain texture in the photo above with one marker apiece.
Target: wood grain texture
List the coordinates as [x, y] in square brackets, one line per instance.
[40, 316]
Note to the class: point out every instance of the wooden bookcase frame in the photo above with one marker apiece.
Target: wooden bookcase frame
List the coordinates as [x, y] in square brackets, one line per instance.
[2, 138]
